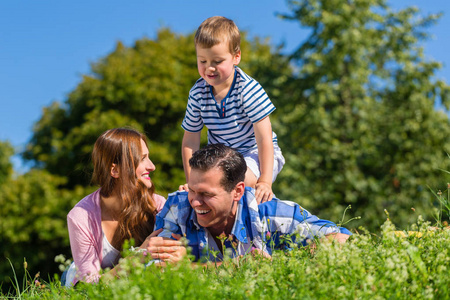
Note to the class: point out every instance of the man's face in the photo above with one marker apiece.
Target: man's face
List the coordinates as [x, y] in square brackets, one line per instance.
[215, 208]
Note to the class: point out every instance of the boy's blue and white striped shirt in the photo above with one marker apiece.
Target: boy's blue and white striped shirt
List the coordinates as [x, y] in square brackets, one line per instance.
[230, 122]
[253, 225]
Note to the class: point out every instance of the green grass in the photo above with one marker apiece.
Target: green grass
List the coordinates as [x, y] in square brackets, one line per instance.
[368, 266]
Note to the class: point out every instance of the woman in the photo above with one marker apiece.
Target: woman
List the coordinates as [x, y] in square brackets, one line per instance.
[123, 208]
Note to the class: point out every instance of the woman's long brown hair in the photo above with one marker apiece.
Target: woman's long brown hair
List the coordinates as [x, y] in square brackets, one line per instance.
[122, 147]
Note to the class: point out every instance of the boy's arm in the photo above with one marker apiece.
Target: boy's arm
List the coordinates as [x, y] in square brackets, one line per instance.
[263, 135]
[190, 144]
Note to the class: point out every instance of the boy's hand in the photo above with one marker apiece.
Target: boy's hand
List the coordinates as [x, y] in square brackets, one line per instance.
[184, 187]
[263, 192]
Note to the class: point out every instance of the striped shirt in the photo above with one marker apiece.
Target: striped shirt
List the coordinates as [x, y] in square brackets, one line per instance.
[265, 226]
[230, 122]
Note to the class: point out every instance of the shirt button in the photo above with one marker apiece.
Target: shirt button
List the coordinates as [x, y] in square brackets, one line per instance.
[201, 244]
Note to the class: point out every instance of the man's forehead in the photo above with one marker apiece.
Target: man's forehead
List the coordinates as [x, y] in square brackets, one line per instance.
[211, 176]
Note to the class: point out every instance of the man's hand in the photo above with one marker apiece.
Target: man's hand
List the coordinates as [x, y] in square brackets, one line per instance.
[258, 252]
[263, 192]
[338, 237]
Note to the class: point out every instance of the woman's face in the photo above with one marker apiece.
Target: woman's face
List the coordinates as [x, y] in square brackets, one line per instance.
[145, 167]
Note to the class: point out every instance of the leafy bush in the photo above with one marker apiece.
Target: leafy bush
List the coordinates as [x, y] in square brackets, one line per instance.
[33, 222]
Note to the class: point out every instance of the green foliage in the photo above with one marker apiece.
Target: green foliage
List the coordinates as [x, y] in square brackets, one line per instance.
[33, 222]
[387, 266]
[6, 151]
[359, 121]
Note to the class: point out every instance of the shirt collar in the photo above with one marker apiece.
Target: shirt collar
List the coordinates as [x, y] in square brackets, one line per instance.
[247, 225]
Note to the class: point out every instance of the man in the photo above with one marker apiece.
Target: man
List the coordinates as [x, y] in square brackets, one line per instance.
[219, 211]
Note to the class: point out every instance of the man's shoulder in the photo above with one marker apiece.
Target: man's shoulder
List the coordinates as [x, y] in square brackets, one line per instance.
[177, 203]
[176, 198]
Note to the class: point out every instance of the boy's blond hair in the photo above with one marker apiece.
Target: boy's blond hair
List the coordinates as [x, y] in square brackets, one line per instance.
[218, 29]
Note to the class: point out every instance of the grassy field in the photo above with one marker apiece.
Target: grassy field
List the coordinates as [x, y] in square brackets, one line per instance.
[392, 264]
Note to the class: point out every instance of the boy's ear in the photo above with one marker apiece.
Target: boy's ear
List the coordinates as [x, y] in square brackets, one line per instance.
[237, 58]
[114, 171]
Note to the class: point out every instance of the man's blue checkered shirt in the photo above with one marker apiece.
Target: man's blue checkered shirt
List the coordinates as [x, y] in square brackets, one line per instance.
[263, 226]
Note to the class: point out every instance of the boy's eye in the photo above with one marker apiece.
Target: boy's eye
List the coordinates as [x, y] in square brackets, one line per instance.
[203, 61]
[219, 61]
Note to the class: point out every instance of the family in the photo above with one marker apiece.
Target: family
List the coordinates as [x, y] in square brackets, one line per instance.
[228, 189]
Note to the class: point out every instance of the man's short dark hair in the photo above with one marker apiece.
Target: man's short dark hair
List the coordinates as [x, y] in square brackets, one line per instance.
[230, 161]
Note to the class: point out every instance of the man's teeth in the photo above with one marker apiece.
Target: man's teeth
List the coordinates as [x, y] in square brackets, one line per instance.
[200, 211]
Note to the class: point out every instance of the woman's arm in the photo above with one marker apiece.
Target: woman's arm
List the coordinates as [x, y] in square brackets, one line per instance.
[84, 246]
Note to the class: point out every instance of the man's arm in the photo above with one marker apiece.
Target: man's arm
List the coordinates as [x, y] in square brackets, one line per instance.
[167, 246]
[289, 218]
[311, 226]
[168, 218]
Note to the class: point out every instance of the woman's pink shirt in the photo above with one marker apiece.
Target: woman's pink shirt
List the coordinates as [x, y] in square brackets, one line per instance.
[84, 222]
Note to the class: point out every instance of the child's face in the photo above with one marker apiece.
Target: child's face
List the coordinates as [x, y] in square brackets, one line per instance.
[216, 65]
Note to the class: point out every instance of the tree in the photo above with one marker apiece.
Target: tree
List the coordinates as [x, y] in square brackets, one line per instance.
[6, 151]
[32, 220]
[144, 86]
[360, 125]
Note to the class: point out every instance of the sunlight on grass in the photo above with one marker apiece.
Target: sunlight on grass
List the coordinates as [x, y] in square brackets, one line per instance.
[393, 264]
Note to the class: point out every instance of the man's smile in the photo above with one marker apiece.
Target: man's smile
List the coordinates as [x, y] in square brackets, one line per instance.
[202, 211]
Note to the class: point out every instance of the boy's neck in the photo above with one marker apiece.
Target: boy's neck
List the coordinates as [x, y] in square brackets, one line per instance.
[221, 91]
[220, 94]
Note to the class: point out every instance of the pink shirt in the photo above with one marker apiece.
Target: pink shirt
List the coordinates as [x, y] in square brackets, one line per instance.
[85, 232]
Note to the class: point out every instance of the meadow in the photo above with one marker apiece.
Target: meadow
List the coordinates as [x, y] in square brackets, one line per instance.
[392, 264]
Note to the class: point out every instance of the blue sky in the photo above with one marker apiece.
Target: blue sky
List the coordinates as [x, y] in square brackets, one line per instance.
[45, 46]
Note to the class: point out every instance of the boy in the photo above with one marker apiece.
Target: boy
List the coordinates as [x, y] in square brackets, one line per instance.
[233, 106]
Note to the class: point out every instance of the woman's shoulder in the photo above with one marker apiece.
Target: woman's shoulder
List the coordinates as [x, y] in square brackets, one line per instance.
[86, 206]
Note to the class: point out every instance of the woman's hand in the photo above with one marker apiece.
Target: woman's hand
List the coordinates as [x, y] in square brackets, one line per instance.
[147, 241]
[165, 249]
